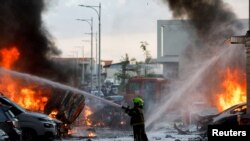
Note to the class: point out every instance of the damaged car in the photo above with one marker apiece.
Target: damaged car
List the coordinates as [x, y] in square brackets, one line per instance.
[9, 125]
[66, 107]
[226, 117]
[33, 125]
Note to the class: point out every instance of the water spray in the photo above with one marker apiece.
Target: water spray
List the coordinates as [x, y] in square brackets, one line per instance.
[57, 84]
[190, 84]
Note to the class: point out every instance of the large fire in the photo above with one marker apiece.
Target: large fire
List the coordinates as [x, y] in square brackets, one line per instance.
[233, 89]
[27, 95]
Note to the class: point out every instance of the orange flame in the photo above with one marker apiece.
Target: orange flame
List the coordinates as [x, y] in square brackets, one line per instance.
[29, 100]
[53, 113]
[9, 57]
[234, 89]
[15, 89]
[87, 112]
[91, 135]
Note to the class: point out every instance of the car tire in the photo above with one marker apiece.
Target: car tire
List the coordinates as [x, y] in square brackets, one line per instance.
[48, 137]
[28, 134]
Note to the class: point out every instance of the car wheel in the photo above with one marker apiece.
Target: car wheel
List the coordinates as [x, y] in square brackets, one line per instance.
[49, 137]
[29, 135]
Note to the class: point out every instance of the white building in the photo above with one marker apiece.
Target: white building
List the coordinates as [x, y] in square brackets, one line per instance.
[173, 36]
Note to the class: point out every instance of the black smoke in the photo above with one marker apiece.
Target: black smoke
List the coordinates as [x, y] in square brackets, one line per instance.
[213, 19]
[213, 23]
[21, 26]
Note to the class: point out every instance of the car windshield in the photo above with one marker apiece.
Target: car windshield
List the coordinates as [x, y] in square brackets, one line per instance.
[16, 109]
[2, 116]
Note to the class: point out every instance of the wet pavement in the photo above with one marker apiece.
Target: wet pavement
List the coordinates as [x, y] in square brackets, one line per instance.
[106, 134]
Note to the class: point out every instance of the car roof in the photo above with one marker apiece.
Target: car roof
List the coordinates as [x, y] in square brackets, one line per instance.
[237, 105]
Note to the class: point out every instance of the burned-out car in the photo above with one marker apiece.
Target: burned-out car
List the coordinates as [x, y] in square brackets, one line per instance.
[66, 107]
[230, 115]
[226, 117]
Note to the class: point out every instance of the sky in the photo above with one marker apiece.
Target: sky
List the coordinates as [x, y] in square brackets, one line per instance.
[124, 24]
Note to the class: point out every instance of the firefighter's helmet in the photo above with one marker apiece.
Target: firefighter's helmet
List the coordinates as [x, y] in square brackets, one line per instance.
[138, 101]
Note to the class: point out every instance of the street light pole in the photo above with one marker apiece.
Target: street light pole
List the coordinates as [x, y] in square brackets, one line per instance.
[91, 58]
[96, 54]
[98, 12]
[99, 69]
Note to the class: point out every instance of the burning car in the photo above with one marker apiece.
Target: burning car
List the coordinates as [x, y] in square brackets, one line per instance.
[66, 107]
[230, 115]
[226, 117]
[32, 124]
[59, 104]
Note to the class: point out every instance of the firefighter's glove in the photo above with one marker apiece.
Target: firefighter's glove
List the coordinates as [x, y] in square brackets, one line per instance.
[126, 109]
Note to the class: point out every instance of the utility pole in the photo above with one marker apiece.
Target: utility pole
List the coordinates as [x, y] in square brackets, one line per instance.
[96, 54]
[98, 12]
[90, 22]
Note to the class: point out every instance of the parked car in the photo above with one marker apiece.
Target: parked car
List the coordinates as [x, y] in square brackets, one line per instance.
[9, 124]
[32, 124]
[114, 89]
[116, 98]
[97, 93]
[3, 136]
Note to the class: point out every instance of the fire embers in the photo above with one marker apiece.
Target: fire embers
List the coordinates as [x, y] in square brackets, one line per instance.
[91, 133]
[86, 113]
[87, 118]
[84, 126]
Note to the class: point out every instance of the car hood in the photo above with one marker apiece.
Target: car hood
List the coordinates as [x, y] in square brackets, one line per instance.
[35, 115]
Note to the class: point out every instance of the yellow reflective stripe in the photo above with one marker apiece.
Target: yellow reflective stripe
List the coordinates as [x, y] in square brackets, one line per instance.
[138, 123]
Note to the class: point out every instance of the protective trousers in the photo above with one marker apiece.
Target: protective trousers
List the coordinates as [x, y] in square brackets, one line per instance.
[139, 133]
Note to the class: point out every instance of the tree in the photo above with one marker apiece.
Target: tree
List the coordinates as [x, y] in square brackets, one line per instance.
[137, 66]
[123, 74]
[147, 54]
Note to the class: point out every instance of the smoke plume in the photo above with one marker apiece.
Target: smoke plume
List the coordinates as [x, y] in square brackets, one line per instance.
[21, 26]
[208, 57]
[213, 22]
[211, 18]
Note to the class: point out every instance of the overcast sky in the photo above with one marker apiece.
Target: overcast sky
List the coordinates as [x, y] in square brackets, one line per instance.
[124, 23]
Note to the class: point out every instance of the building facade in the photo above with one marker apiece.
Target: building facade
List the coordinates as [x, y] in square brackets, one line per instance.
[173, 38]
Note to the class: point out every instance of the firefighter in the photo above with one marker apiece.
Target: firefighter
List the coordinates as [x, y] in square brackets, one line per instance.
[137, 119]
